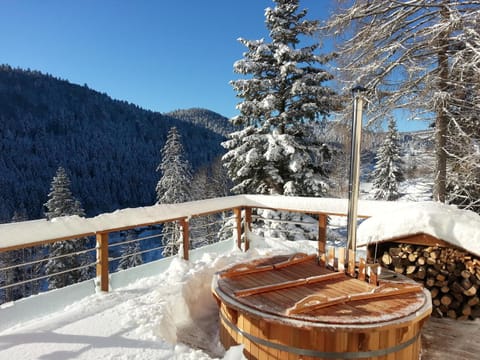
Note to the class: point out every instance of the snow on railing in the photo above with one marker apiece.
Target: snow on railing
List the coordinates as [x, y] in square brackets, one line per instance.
[235, 212]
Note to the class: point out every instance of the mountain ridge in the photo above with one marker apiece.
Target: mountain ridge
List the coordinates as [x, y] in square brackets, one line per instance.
[110, 148]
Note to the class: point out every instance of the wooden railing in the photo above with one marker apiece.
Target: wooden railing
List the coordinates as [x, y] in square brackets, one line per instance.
[15, 236]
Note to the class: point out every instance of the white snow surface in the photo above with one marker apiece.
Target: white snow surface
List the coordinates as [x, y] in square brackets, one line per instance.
[172, 315]
[169, 316]
[445, 222]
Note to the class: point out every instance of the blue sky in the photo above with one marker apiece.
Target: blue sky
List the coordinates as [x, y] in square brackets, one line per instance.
[159, 54]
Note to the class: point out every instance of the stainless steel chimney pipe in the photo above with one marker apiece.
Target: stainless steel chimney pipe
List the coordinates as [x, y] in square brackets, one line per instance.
[354, 179]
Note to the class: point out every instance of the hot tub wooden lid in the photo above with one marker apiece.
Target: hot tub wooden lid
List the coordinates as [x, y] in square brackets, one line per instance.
[299, 288]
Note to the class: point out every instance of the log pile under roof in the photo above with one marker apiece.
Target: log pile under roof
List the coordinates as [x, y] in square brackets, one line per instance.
[451, 275]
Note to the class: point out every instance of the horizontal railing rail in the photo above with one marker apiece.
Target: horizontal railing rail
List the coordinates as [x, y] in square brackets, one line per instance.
[236, 209]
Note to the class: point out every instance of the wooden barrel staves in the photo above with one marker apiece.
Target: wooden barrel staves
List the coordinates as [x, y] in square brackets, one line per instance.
[299, 310]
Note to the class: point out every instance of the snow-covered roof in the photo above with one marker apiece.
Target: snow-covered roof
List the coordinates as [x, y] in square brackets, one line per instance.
[446, 222]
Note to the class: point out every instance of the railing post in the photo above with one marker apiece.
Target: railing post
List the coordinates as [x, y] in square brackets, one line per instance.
[373, 272]
[341, 259]
[238, 220]
[351, 263]
[185, 237]
[322, 238]
[102, 260]
[248, 226]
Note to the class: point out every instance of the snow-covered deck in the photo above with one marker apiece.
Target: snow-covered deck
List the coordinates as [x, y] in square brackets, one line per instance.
[169, 311]
[450, 339]
[172, 315]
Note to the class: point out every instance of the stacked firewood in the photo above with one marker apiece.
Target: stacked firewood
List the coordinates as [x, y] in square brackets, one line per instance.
[451, 275]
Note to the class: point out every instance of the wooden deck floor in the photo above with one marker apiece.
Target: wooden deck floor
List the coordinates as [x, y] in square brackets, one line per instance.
[449, 339]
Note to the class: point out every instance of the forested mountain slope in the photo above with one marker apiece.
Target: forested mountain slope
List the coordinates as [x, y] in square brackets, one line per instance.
[206, 118]
[110, 148]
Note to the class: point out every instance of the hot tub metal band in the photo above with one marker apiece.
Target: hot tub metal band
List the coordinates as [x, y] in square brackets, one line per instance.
[321, 354]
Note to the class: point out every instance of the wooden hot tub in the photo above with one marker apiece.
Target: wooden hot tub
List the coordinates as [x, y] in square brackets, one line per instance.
[293, 308]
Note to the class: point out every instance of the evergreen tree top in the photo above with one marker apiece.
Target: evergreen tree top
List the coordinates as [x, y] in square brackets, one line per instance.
[283, 95]
[174, 185]
[388, 171]
[285, 23]
[284, 81]
[61, 201]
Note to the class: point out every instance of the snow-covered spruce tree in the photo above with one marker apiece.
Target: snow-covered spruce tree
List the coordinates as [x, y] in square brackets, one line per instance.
[130, 252]
[173, 187]
[4, 262]
[21, 272]
[221, 184]
[405, 52]
[220, 181]
[60, 199]
[29, 255]
[61, 202]
[388, 172]
[276, 151]
[14, 271]
[283, 98]
[10, 276]
[203, 229]
[208, 182]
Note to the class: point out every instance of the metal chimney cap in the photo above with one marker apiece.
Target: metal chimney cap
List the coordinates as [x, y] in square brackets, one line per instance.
[358, 88]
